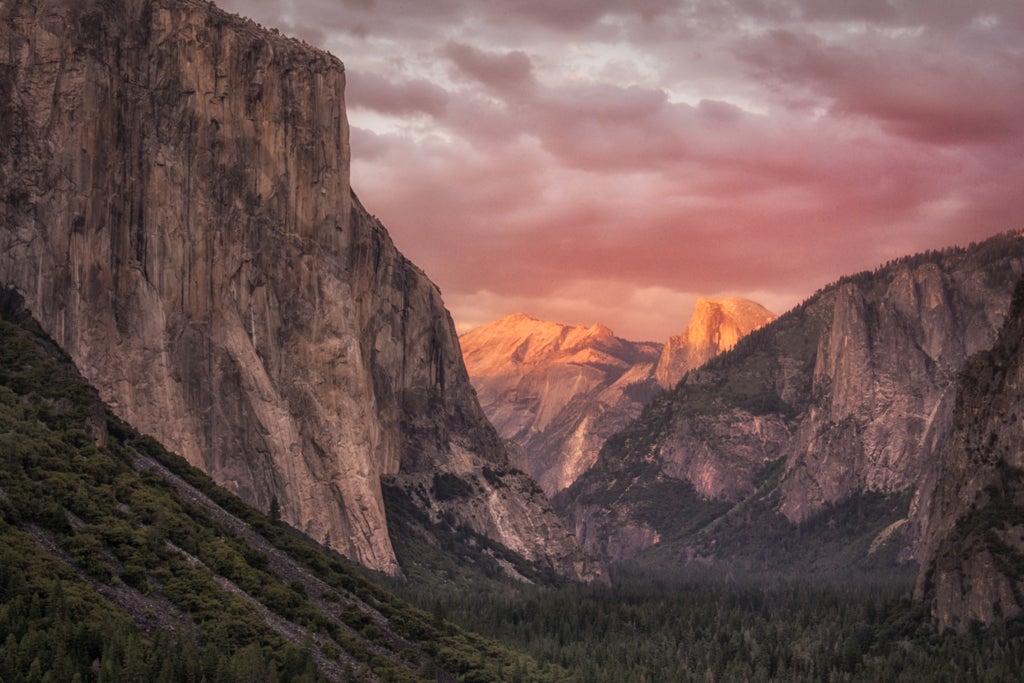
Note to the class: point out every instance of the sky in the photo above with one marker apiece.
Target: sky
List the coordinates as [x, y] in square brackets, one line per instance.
[589, 161]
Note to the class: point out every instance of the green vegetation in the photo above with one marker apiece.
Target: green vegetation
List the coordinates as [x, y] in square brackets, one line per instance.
[754, 536]
[992, 522]
[120, 562]
[444, 551]
[701, 625]
[114, 528]
[749, 376]
[451, 487]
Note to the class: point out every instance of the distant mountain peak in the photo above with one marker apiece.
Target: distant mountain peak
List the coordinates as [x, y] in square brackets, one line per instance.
[715, 326]
[561, 390]
[518, 342]
[558, 390]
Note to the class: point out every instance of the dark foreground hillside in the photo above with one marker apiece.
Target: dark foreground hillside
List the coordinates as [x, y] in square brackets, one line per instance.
[119, 562]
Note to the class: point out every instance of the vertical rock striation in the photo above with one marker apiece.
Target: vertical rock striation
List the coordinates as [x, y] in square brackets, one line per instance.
[973, 560]
[177, 214]
[715, 326]
[847, 396]
[557, 391]
[884, 377]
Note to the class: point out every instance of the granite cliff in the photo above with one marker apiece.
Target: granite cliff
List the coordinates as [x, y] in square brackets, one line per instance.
[557, 392]
[716, 326]
[177, 215]
[973, 560]
[838, 407]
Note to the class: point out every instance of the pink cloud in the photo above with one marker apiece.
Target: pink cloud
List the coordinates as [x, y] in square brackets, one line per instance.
[372, 91]
[619, 157]
[917, 93]
[512, 70]
[572, 15]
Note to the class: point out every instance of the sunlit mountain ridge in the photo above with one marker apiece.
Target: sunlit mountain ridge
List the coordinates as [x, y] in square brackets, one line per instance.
[557, 392]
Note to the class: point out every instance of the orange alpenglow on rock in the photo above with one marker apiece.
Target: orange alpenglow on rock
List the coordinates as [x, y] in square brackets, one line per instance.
[716, 326]
[559, 391]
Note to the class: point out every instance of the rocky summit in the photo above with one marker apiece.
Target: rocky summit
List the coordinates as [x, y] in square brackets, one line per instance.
[177, 215]
[716, 326]
[557, 392]
[830, 417]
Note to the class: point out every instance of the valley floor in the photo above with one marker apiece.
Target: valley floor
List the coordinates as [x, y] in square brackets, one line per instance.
[703, 626]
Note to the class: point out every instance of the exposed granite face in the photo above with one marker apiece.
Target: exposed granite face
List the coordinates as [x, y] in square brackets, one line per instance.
[715, 326]
[723, 455]
[177, 215]
[882, 383]
[973, 560]
[849, 394]
[560, 391]
[557, 391]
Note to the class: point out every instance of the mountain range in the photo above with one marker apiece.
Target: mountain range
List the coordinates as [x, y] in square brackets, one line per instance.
[557, 392]
[178, 218]
[820, 440]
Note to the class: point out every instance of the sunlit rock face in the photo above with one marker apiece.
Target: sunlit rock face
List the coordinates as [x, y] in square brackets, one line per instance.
[849, 394]
[560, 391]
[557, 391]
[716, 326]
[973, 561]
[177, 215]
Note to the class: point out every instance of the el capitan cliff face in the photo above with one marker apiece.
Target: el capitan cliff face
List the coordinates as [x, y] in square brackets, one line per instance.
[177, 215]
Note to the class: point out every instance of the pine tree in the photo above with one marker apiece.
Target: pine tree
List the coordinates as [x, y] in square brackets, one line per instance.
[275, 510]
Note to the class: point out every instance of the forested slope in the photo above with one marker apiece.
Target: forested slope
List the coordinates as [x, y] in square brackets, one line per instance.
[120, 562]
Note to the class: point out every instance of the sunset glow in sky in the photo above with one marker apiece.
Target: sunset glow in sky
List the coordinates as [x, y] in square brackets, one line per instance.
[598, 161]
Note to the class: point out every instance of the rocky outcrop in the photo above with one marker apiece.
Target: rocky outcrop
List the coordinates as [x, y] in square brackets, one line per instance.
[177, 215]
[883, 377]
[848, 395]
[973, 560]
[716, 326]
[557, 391]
